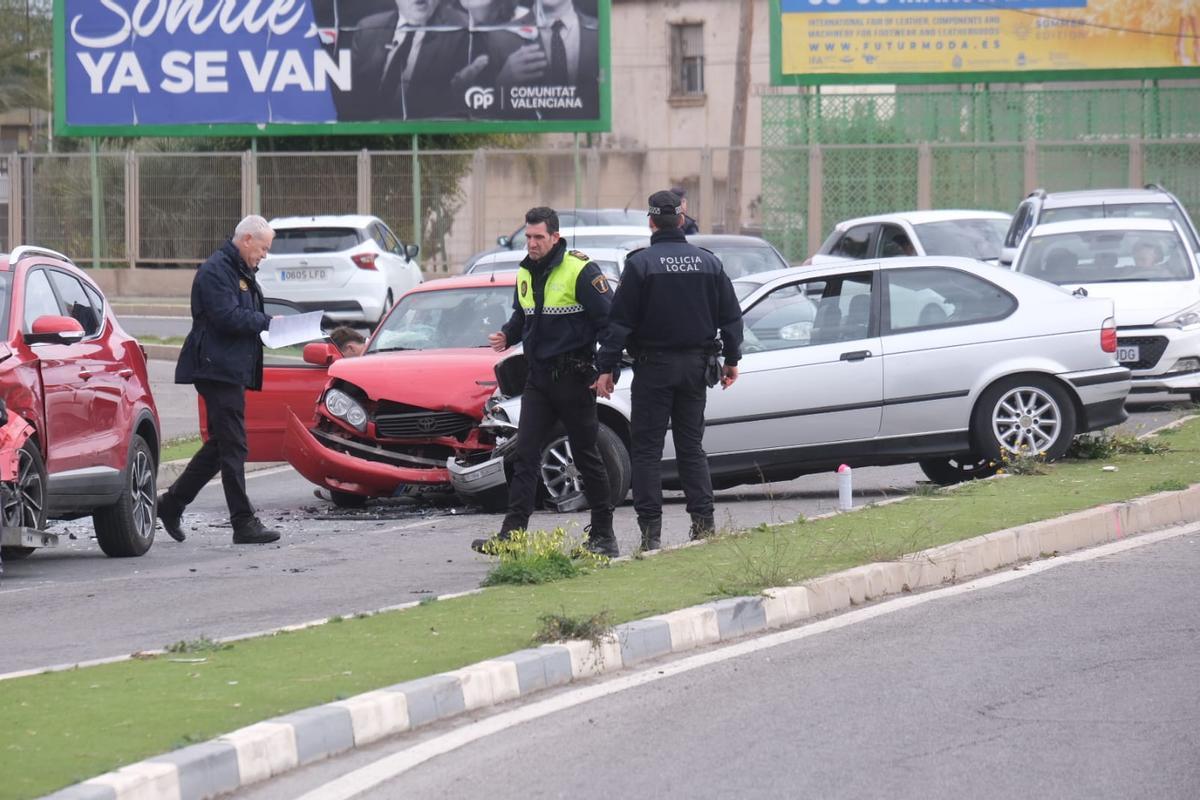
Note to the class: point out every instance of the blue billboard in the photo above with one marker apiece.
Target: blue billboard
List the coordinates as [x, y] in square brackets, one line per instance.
[144, 67]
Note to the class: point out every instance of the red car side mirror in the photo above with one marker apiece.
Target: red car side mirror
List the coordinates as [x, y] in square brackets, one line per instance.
[322, 354]
[54, 330]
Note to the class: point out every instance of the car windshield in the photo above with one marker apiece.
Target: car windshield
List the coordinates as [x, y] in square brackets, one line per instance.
[744, 287]
[444, 318]
[740, 260]
[292, 241]
[1128, 210]
[1106, 256]
[972, 238]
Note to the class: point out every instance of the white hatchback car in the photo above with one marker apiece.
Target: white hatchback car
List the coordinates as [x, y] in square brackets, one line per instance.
[971, 234]
[1149, 270]
[610, 260]
[351, 267]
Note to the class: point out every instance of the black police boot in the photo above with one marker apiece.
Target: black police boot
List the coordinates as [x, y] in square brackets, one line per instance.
[511, 523]
[702, 527]
[651, 533]
[600, 537]
[171, 517]
[251, 531]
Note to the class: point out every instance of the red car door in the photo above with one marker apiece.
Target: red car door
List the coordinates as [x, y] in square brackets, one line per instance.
[289, 386]
[67, 395]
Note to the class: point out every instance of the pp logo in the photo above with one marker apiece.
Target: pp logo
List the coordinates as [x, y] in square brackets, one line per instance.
[479, 98]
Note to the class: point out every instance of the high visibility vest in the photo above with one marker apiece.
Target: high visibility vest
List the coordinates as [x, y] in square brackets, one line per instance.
[560, 288]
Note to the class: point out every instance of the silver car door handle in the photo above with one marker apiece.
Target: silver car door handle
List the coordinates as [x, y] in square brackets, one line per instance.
[856, 355]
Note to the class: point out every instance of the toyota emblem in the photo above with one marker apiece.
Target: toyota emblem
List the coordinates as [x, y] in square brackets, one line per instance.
[426, 424]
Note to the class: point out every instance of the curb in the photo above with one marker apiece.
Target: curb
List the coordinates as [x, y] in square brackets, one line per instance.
[168, 471]
[162, 352]
[278, 745]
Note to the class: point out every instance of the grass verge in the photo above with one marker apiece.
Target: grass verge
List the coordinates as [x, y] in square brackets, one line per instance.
[177, 449]
[68, 726]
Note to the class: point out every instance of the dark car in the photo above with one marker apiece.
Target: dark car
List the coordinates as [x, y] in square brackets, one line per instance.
[567, 218]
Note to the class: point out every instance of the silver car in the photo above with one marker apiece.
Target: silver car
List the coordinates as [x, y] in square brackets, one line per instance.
[945, 361]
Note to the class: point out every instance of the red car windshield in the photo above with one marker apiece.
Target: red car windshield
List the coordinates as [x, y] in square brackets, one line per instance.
[445, 318]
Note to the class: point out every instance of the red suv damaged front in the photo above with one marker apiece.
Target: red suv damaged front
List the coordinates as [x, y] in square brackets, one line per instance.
[390, 418]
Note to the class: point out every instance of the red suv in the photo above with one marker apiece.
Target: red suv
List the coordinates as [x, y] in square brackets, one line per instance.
[80, 381]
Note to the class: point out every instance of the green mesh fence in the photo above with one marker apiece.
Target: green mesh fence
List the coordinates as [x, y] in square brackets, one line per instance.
[976, 150]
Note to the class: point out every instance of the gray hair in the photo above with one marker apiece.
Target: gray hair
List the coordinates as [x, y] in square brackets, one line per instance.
[253, 225]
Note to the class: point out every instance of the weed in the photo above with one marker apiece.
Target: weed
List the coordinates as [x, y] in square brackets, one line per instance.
[428, 601]
[1022, 463]
[766, 560]
[538, 557]
[563, 627]
[925, 489]
[201, 645]
[1105, 445]
[336, 618]
[1168, 486]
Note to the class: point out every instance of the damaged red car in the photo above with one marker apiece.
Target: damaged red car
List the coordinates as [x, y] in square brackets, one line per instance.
[381, 423]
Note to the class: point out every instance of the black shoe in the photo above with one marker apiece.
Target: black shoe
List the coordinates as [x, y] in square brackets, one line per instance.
[251, 531]
[600, 537]
[702, 527]
[172, 520]
[651, 533]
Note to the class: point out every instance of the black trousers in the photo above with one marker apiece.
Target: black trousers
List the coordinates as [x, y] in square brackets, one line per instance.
[544, 404]
[669, 390]
[224, 452]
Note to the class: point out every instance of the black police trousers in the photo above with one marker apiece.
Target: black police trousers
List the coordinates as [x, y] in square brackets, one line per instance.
[544, 403]
[224, 452]
[669, 390]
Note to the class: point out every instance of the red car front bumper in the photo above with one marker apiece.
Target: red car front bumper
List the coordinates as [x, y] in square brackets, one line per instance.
[346, 473]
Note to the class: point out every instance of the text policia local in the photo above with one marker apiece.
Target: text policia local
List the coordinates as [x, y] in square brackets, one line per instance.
[108, 27]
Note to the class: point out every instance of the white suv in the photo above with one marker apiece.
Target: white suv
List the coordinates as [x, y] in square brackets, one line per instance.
[1039, 207]
[351, 267]
[1149, 269]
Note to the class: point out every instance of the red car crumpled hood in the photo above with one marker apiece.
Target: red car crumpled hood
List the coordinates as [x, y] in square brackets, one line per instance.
[459, 380]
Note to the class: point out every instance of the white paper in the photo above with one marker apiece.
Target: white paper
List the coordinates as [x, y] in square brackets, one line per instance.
[293, 329]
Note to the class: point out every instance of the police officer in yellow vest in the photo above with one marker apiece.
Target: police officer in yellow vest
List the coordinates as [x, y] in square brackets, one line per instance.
[561, 308]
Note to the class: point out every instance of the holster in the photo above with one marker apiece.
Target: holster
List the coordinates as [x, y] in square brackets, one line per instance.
[572, 365]
[712, 370]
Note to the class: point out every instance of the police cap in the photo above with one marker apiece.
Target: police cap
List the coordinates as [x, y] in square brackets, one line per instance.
[664, 204]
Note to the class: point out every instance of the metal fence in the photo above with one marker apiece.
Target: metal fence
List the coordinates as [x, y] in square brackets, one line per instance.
[824, 158]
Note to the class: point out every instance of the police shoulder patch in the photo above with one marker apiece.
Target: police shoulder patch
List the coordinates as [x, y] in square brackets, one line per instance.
[580, 255]
[245, 287]
[600, 284]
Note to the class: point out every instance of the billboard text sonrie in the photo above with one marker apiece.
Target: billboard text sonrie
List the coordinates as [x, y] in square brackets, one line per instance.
[941, 41]
[137, 67]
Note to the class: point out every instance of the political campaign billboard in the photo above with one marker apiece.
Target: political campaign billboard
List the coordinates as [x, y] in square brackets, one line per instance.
[955, 41]
[248, 67]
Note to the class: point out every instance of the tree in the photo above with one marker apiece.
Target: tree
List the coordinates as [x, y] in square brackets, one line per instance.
[25, 47]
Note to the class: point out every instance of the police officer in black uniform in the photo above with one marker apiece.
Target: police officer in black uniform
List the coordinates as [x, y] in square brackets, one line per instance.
[560, 308]
[673, 299]
[223, 357]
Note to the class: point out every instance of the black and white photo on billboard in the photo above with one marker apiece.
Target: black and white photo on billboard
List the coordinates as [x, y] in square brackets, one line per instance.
[504, 60]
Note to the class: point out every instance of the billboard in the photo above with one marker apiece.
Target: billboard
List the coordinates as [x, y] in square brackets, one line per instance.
[961, 41]
[251, 67]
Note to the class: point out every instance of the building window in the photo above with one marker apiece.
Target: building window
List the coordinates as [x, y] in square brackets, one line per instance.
[687, 60]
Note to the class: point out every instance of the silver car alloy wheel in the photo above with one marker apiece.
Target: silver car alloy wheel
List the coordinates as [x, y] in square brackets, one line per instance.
[1026, 421]
[24, 506]
[141, 492]
[559, 473]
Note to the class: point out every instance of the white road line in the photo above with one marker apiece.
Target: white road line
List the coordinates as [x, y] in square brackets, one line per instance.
[365, 778]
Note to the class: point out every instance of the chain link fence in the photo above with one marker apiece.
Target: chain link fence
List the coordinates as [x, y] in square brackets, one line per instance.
[824, 158]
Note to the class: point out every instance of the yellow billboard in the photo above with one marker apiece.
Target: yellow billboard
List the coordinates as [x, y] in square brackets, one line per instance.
[952, 41]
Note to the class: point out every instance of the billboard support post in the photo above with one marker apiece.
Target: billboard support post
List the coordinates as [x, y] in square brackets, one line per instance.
[416, 189]
[133, 205]
[15, 202]
[97, 206]
[363, 182]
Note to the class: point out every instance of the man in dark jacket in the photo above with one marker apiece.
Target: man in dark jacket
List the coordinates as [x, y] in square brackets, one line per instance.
[223, 357]
[673, 300]
[560, 307]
